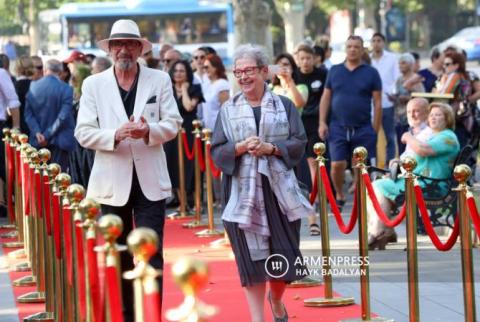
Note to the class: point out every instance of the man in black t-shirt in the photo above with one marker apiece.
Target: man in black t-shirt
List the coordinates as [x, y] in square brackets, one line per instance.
[314, 78]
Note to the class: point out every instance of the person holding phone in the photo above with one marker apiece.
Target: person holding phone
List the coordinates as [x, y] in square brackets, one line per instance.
[284, 81]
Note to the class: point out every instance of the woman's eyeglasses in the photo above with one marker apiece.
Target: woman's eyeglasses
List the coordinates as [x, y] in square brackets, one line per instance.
[447, 64]
[249, 71]
[40, 67]
[198, 57]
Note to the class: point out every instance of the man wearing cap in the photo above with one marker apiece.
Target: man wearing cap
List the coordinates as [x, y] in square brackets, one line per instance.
[126, 114]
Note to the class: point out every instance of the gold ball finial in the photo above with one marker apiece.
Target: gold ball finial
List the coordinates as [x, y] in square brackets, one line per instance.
[89, 208]
[409, 164]
[29, 150]
[75, 193]
[190, 274]
[462, 173]
[6, 132]
[44, 155]
[34, 158]
[143, 243]
[54, 169]
[207, 134]
[23, 138]
[196, 124]
[360, 154]
[111, 227]
[319, 149]
[63, 180]
[14, 134]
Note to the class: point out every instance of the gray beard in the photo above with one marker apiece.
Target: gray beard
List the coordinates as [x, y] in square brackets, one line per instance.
[124, 65]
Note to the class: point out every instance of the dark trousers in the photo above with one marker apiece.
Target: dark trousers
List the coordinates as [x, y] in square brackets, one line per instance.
[138, 212]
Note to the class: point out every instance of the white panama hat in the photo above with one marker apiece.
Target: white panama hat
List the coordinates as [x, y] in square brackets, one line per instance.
[125, 29]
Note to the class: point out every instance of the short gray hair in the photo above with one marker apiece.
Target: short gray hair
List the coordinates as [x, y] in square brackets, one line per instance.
[407, 58]
[54, 66]
[254, 52]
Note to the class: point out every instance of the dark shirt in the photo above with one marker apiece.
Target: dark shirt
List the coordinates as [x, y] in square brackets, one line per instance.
[21, 87]
[315, 81]
[128, 97]
[429, 79]
[194, 91]
[352, 94]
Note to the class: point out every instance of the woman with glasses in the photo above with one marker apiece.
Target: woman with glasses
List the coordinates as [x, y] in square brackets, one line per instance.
[217, 92]
[456, 80]
[257, 140]
[284, 81]
[188, 96]
[198, 59]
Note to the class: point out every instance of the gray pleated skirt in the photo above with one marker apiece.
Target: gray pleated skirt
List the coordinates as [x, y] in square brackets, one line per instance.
[284, 244]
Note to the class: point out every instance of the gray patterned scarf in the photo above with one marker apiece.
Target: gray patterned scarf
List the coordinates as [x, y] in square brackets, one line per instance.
[246, 205]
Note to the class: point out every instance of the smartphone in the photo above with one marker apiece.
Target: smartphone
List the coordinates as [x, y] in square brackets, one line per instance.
[274, 69]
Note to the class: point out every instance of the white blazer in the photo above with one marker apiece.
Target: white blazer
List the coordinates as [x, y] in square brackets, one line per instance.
[102, 112]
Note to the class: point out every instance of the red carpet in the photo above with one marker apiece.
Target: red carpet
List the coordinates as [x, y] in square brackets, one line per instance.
[223, 290]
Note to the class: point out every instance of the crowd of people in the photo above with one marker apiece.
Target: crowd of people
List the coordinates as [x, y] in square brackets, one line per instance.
[100, 116]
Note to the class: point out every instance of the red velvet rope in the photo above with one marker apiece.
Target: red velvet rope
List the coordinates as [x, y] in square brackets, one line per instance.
[333, 205]
[67, 235]
[188, 153]
[215, 171]
[474, 214]
[38, 194]
[113, 289]
[378, 208]
[26, 182]
[201, 159]
[428, 225]
[152, 307]
[47, 205]
[314, 192]
[10, 181]
[56, 226]
[81, 270]
[93, 281]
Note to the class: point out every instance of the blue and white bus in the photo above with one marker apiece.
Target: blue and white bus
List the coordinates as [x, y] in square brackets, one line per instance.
[186, 24]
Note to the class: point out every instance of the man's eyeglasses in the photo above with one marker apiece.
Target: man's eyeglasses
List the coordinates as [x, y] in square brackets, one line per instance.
[129, 44]
[249, 71]
[166, 61]
[199, 57]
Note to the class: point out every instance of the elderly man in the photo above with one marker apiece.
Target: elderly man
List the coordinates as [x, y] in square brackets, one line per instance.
[49, 114]
[171, 56]
[99, 64]
[126, 114]
[417, 115]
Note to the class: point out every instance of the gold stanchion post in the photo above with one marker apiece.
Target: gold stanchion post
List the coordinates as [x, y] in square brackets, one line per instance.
[210, 231]
[29, 233]
[191, 275]
[360, 156]
[183, 211]
[76, 193]
[461, 174]
[143, 244]
[409, 165]
[90, 210]
[45, 273]
[328, 299]
[197, 222]
[111, 227]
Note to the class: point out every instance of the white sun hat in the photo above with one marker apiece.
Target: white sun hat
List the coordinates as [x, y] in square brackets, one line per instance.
[125, 29]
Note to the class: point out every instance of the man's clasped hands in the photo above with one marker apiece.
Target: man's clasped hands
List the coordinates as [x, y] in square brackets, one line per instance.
[133, 130]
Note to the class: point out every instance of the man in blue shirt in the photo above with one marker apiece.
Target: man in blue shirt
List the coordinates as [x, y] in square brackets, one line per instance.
[349, 90]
